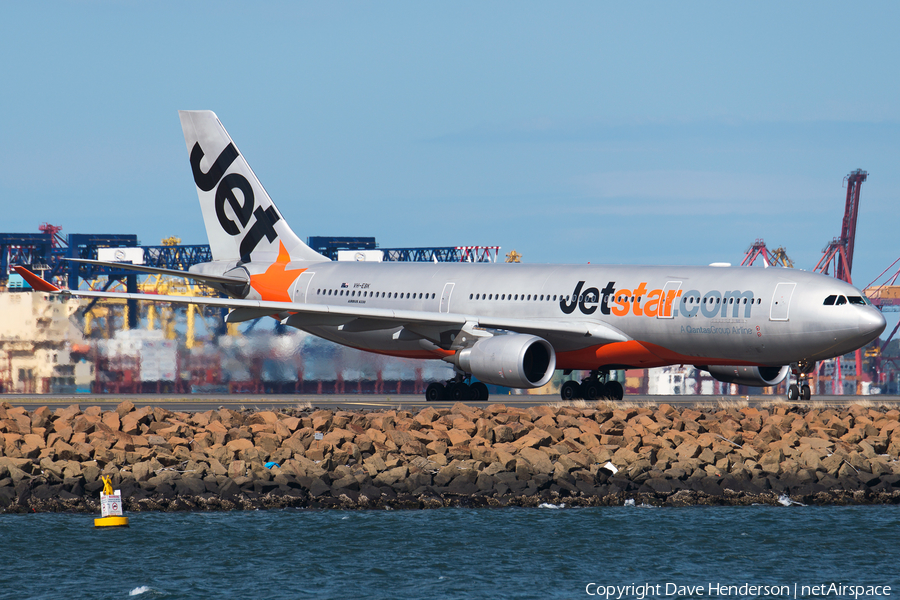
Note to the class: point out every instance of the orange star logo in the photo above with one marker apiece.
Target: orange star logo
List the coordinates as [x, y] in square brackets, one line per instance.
[275, 282]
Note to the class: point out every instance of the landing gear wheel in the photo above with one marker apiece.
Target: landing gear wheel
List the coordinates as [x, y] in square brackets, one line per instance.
[805, 393]
[479, 391]
[460, 391]
[793, 392]
[569, 390]
[603, 392]
[591, 389]
[435, 392]
[614, 390]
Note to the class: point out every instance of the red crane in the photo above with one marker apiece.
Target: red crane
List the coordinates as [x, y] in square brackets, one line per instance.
[840, 253]
[56, 240]
[840, 250]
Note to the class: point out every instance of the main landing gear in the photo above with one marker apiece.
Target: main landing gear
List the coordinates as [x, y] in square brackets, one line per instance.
[800, 390]
[596, 386]
[458, 388]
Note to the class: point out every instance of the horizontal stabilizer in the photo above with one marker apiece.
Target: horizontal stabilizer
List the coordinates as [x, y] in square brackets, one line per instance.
[34, 281]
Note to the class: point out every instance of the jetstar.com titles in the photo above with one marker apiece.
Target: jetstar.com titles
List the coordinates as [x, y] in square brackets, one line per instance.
[658, 302]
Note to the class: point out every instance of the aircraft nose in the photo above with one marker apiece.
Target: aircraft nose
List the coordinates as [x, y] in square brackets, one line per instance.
[871, 323]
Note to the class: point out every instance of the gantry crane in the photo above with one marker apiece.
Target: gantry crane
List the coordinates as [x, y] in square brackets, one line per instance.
[839, 252]
[770, 258]
[839, 255]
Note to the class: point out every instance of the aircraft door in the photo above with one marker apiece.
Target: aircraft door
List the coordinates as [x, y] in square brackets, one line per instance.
[667, 300]
[301, 286]
[445, 297]
[781, 302]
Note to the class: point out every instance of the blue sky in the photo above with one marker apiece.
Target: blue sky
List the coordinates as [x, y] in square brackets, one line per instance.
[642, 132]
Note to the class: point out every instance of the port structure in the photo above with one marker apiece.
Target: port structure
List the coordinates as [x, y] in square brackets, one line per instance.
[884, 293]
[837, 260]
[770, 258]
[837, 257]
[46, 253]
[330, 246]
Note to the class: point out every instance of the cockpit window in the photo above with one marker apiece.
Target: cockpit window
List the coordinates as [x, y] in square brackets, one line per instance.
[829, 301]
[856, 300]
[841, 300]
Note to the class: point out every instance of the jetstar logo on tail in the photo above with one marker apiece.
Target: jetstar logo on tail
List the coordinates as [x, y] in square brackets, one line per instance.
[243, 206]
[275, 282]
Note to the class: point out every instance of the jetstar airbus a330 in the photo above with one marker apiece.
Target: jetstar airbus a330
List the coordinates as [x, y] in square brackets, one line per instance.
[507, 324]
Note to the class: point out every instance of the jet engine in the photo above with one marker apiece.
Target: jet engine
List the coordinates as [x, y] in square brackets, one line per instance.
[514, 360]
[752, 376]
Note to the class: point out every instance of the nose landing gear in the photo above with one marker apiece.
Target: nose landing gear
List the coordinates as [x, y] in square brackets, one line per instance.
[801, 390]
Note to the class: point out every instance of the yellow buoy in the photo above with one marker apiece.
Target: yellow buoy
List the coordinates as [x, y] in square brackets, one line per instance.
[110, 507]
[111, 522]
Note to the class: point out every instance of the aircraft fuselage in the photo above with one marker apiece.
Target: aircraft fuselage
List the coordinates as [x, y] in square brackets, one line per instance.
[670, 315]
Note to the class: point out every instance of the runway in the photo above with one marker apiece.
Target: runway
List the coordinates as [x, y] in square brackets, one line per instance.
[412, 402]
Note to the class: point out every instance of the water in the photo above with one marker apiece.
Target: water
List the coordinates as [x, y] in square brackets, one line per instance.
[448, 553]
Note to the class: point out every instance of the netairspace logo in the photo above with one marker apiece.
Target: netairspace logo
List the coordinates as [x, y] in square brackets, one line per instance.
[719, 590]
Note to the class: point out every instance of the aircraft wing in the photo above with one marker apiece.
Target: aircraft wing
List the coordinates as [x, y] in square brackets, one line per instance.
[158, 271]
[355, 318]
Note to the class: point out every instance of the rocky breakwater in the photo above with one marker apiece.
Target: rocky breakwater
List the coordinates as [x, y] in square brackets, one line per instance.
[52, 460]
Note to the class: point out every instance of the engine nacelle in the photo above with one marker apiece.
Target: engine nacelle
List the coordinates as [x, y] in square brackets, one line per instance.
[752, 376]
[515, 360]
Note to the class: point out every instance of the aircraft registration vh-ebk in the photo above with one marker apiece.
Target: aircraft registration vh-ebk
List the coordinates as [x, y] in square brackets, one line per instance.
[507, 324]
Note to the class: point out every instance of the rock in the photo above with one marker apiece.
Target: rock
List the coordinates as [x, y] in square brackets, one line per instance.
[238, 445]
[189, 486]
[237, 468]
[436, 448]
[533, 439]
[399, 437]
[414, 448]
[40, 417]
[658, 485]
[391, 476]
[503, 434]
[348, 482]
[16, 474]
[505, 459]
[538, 460]
[536, 452]
[484, 454]
[846, 471]
[624, 457]
[66, 414]
[458, 437]
[771, 460]
[229, 488]
[268, 442]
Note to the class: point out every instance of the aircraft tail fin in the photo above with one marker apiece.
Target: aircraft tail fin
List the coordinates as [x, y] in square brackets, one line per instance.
[241, 220]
